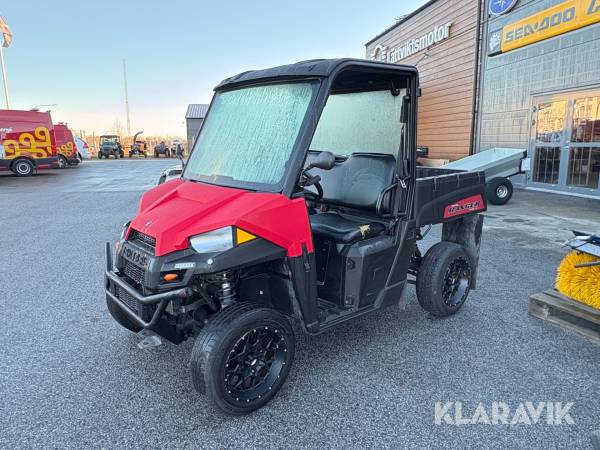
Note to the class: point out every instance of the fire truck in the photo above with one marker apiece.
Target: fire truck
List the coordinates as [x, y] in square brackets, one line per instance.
[27, 142]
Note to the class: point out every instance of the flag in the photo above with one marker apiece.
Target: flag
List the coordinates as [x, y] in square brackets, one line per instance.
[6, 33]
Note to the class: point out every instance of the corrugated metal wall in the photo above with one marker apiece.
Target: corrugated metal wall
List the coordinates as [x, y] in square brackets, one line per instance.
[509, 81]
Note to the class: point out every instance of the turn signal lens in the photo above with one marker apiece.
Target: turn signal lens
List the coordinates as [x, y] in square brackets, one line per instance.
[242, 236]
[170, 277]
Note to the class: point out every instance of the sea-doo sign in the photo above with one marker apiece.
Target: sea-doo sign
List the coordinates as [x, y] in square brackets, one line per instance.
[562, 18]
[412, 46]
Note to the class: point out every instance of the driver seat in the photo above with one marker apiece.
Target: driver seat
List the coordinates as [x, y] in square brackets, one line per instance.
[356, 184]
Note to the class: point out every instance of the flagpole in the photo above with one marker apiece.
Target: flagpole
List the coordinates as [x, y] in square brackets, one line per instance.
[5, 82]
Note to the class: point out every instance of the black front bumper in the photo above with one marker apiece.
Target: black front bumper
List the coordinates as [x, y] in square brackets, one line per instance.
[115, 283]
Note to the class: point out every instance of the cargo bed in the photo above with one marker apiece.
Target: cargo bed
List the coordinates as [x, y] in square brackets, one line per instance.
[445, 194]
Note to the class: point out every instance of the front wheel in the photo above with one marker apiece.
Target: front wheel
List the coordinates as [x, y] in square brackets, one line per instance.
[22, 168]
[242, 357]
[444, 279]
[498, 191]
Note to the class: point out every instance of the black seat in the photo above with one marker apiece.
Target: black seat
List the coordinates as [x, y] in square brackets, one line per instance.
[356, 183]
[344, 229]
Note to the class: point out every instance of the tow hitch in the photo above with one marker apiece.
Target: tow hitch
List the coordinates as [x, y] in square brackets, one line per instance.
[149, 339]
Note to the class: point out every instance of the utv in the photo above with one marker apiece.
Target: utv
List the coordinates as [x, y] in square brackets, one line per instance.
[301, 201]
[110, 145]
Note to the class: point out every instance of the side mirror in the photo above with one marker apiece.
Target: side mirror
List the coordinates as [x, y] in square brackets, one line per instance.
[325, 161]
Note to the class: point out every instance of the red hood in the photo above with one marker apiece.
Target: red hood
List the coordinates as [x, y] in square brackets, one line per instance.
[179, 209]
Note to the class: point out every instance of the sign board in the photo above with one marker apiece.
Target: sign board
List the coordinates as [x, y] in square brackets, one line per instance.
[498, 7]
[562, 18]
[412, 46]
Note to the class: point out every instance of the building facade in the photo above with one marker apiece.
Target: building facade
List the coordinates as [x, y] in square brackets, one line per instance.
[441, 39]
[507, 73]
[540, 89]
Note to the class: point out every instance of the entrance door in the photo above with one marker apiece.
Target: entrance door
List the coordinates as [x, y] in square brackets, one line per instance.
[565, 142]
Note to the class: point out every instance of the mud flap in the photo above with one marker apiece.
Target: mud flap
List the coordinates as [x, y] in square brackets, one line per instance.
[466, 231]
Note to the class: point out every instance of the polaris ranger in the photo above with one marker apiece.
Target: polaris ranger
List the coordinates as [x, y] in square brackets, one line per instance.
[110, 145]
[301, 201]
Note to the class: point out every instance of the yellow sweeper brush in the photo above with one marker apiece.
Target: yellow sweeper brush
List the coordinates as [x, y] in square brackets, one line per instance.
[578, 277]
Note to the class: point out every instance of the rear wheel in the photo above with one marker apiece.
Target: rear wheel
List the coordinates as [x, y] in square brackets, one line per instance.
[242, 357]
[498, 191]
[121, 318]
[62, 162]
[22, 168]
[444, 279]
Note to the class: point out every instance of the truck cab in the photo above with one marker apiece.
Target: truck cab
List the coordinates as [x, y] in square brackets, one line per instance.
[300, 202]
[66, 146]
[27, 142]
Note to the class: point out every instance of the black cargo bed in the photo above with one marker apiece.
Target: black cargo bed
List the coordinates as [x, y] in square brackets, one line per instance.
[438, 189]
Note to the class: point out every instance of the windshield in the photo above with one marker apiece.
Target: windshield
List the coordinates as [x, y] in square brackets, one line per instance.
[249, 134]
[108, 140]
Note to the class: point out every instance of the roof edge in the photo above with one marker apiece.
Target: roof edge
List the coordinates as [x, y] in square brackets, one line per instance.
[401, 21]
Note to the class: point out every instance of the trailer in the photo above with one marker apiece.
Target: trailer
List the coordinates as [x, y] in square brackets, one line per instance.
[498, 164]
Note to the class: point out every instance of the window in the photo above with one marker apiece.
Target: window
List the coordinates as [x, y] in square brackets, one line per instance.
[249, 135]
[366, 122]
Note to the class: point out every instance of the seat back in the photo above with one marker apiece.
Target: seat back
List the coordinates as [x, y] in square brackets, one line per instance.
[357, 181]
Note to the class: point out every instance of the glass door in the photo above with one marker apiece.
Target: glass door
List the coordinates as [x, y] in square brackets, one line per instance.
[565, 143]
[584, 145]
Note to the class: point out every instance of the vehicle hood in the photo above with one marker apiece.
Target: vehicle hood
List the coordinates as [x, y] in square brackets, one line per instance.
[176, 210]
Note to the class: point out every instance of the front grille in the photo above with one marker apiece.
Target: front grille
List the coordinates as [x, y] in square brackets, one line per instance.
[126, 298]
[143, 240]
[134, 272]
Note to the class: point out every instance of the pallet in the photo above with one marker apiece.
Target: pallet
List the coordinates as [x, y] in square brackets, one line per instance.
[553, 307]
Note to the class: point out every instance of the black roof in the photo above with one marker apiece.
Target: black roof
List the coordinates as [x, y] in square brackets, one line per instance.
[318, 68]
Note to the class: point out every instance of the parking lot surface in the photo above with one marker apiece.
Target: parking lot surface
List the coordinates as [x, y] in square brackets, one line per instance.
[70, 377]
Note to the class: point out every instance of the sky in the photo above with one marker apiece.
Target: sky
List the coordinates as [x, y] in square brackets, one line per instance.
[69, 54]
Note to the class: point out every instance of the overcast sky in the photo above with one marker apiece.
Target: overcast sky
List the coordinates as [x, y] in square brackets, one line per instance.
[69, 53]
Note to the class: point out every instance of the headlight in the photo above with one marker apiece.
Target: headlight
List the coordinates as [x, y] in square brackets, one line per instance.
[213, 241]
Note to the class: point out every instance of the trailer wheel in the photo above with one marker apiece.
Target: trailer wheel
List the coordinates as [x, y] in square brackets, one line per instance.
[444, 279]
[242, 357]
[498, 191]
[22, 167]
[121, 318]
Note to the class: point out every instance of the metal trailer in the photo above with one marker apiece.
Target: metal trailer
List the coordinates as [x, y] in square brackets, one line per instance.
[498, 164]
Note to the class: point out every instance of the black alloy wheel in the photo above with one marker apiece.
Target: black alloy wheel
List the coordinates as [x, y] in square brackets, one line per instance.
[444, 279]
[255, 363]
[242, 357]
[457, 281]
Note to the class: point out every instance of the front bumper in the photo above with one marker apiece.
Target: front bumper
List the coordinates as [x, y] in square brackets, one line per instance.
[155, 304]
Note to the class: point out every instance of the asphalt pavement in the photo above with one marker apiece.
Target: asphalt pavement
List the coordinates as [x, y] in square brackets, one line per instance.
[70, 377]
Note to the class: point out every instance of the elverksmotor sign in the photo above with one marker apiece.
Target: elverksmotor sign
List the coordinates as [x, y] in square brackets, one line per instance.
[411, 46]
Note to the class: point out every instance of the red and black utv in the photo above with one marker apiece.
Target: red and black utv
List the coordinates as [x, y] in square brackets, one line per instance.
[301, 200]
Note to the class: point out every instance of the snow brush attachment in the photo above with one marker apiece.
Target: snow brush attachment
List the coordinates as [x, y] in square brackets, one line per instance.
[578, 277]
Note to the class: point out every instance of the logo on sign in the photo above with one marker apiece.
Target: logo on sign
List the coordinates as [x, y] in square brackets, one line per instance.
[498, 7]
[464, 206]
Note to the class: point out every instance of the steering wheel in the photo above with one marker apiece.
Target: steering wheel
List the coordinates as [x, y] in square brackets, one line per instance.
[313, 181]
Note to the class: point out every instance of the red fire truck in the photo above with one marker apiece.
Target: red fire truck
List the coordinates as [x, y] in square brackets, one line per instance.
[65, 145]
[27, 142]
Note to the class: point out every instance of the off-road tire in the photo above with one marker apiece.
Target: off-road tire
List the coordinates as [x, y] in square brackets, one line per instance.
[498, 191]
[434, 275]
[22, 167]
[217, 342]
[121, 318]
[62, 162]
